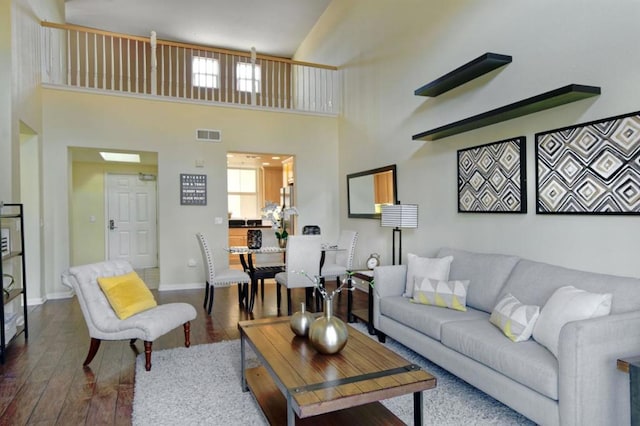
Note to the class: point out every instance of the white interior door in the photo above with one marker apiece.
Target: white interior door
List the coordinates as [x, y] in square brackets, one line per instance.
[131, 220]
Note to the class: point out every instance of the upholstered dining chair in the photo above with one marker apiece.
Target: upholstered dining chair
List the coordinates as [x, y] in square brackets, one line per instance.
[303, 255]
[266, 262]
[343, 259]
[220, 278]
[103, 322]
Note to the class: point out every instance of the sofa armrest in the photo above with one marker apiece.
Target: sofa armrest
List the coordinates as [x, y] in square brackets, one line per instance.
[591, 390]
[387, 281]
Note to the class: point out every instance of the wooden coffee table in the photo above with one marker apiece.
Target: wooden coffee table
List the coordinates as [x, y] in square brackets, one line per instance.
[299, 386]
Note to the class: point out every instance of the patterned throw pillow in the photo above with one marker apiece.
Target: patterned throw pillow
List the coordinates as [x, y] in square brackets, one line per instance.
[446, 294]
[514, 319]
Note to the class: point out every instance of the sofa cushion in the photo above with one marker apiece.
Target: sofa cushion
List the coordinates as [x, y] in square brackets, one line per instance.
[533, 283]
[487, 272]
[568, 304]
[426, 319]
[446, 294]
[528, 363]
[419, 268]
[515, 319]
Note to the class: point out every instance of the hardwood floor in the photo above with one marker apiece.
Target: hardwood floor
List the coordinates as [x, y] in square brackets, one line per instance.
[43, 382]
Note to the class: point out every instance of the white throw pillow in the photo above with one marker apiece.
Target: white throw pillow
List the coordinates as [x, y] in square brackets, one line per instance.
[424, 267]
[568, 304]
[514, 319]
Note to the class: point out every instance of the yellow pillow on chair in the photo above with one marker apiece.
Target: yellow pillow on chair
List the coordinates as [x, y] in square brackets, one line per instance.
[127, 294]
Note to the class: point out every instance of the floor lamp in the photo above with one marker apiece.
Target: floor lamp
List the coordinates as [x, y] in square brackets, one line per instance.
[399, 216]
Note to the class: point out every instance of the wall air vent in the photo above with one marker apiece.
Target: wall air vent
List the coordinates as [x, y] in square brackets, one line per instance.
[208, 135]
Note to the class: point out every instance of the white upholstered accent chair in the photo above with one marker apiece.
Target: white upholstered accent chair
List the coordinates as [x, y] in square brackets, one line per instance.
[104, 324]
[303, 255]
[220, 278]
[342, 259]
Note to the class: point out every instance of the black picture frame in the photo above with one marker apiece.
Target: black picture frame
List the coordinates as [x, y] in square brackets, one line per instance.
[492, 178]
[590, 168]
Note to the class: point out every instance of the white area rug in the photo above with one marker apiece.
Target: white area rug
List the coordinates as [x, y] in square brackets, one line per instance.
[200, 385]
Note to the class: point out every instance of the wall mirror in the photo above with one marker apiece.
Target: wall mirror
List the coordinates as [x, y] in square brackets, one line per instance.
[369, 190]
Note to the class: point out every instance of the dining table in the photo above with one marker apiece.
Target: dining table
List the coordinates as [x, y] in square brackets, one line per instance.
[262, 272]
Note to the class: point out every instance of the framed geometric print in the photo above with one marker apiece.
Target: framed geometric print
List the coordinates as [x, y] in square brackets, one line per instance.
[492, 178]
[590, 168]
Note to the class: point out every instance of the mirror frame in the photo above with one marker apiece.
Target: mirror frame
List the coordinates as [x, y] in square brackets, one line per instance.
[391, 168]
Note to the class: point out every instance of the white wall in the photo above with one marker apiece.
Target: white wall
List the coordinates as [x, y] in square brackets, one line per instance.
[388, 49]
[168, 128]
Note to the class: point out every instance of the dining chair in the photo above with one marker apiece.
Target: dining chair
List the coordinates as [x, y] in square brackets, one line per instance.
[303, 256]
[268, 264]
[104, 323]
[343, 259]
[220, 278]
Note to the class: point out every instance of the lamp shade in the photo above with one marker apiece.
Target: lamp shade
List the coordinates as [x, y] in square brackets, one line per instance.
[400, 216]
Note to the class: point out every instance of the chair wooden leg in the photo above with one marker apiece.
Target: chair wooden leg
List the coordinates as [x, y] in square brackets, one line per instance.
[206, 294]
[308, 293]
[147, 355]
[288, 301]
[262, 289]
[187, 333]
[210, 300]
[254, 293]
[278, 296]
[93, 349]
[240, 294]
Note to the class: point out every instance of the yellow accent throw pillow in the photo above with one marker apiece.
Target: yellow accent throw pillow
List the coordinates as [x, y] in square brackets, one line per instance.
[127, 294]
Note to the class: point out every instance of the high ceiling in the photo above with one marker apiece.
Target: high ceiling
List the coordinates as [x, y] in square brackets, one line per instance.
[273, 27]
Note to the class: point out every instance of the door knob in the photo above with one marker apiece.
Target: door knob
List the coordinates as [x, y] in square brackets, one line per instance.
[112, 225]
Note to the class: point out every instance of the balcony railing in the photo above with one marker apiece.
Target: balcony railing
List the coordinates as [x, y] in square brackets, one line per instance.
[87, 58]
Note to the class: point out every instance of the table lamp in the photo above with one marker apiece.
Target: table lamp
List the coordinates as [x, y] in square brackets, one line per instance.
[399, 216]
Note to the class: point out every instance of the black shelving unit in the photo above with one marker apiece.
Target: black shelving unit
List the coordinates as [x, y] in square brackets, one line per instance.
[551, 99]
[467, 72]
[12, 219]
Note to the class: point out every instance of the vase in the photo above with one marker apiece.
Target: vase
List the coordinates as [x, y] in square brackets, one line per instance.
[254, 238]
[328, 334]
[301, 321]
[282, 242]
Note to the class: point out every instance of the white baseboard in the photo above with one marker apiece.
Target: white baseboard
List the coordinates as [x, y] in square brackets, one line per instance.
[36, 301]
[61, 295]
[185, 286]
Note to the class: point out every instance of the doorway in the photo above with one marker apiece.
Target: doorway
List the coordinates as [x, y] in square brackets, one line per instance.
[89, 210]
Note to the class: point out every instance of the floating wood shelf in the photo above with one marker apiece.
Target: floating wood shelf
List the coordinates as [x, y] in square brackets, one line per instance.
[554, 98]
[467, 72]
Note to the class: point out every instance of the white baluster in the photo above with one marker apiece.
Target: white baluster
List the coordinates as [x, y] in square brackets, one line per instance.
[154, 64]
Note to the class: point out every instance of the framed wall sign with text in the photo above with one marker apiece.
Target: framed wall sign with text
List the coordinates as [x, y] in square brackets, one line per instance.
[193, 189]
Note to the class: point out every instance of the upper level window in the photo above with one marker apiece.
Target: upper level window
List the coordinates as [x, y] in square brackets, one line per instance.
[206, 72]
[244, 79]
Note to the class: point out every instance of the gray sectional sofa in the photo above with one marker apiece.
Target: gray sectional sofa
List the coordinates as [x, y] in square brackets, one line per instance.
[580, 387]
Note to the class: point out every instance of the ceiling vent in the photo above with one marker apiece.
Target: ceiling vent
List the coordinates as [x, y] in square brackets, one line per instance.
[208, 135]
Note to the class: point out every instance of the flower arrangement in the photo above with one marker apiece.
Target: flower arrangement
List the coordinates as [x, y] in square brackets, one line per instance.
[278, 217]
